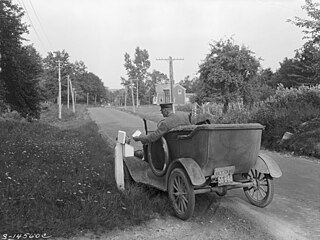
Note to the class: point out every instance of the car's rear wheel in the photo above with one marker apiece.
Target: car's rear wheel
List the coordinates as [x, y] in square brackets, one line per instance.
[261, 193]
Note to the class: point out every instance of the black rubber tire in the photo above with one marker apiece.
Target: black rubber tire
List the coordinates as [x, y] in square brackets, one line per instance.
[159, 172]
[262, 193]
[181, 193]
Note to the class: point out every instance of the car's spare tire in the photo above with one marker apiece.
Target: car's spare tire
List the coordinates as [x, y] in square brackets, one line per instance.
[158, 156]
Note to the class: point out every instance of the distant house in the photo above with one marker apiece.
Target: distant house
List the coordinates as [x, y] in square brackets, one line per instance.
[163, 94]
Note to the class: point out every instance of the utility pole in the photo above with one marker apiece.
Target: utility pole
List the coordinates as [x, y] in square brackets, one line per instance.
[170, 59]
[68, 83]
[125, 96]
[137, 104]
[59, 96]
[134, 108]
[72, 96]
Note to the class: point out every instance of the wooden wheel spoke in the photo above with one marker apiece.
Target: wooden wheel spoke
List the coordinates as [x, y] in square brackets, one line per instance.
[259, 175]
[252, 192]
[175, 183]
[184, 204]
[179, 203]
[260, 193]
[264, 180]
[184, 199]
[256, 191]
[264, 189]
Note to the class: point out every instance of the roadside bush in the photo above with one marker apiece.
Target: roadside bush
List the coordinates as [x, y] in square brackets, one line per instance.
[286, 111]
[12, 115]
[305, 141]
[185, 107]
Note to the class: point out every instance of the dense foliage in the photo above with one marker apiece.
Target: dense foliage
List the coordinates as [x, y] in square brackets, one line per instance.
[294, 110]
[311, 26]
[26, 79]
[226, 73]
[286, 111]
[20, 65]
[304, 68]
[86, 84]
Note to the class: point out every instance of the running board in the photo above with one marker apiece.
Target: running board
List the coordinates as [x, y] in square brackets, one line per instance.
[142, 173]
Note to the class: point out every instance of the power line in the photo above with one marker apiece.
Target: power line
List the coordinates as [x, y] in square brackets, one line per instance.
[32, 25]
[35, 13]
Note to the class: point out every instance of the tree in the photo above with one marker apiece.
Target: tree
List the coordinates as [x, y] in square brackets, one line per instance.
[303, 69]
[85, 83]
[189, 84]
[261, 86]
[226, 72]
[20, 65]
[50, 76]
[92, 85]
[137, 71]
[311, 26]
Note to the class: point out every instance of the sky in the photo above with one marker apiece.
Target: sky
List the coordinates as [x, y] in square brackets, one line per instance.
[100, 32]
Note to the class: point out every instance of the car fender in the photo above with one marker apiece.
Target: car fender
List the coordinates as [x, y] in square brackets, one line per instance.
[266, 164]
[192, 168]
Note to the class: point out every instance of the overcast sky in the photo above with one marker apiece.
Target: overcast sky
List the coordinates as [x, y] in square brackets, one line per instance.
[100, 32]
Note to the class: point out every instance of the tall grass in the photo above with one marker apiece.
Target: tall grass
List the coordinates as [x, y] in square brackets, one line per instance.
[59, 180]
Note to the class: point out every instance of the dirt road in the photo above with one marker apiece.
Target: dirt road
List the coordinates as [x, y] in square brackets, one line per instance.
[293, 214]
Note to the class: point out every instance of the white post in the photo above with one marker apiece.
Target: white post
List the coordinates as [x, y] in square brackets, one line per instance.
[118, 164]
[121, 150]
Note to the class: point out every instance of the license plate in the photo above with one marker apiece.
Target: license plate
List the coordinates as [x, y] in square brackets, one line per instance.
[224, 175]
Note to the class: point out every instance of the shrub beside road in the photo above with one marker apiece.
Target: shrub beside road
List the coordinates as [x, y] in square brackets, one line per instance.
[294, 110]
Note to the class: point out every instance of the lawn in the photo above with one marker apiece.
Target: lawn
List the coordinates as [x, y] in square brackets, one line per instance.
[57, 178]
[150, 112]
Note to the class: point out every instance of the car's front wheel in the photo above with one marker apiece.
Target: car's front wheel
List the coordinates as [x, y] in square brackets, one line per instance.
[181, 193]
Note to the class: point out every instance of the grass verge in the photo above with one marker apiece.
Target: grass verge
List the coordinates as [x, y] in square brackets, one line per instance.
[59, 180]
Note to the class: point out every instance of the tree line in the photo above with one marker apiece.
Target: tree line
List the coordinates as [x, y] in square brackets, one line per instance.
[231, 73]
[27, 79]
